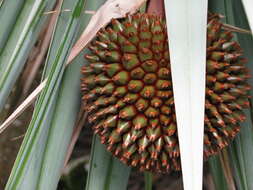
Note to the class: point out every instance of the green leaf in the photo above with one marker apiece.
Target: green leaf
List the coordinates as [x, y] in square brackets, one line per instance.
[63, 120]
[20, 42]
[26, 170]
[148, 180]
[9, 11]
[217, 6]
[62, 125]
[217, 173]
[106, 172]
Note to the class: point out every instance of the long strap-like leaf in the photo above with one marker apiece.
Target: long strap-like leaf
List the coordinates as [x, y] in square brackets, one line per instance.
[26, 169]
[106, 172]
[20, 41]
[186, 21]
[9, 10]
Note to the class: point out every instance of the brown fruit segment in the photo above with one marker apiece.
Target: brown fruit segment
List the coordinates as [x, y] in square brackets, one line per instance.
[127, 91]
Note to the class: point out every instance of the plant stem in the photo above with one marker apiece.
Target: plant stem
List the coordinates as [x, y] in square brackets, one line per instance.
[148, 180]
[156, 7]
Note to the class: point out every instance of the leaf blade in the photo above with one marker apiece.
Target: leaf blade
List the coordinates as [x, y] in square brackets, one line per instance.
[187, 22]
[35, 139]
[106, 172]
[20, 42]
[8, 13]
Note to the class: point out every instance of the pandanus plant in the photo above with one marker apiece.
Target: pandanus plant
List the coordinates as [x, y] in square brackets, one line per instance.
[124, 81]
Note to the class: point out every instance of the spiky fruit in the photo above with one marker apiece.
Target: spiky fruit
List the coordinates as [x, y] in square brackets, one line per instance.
[128, 91]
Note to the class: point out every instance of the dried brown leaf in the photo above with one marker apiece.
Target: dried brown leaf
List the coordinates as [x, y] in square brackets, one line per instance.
[26, 103]
[111, 9]
[235, 29]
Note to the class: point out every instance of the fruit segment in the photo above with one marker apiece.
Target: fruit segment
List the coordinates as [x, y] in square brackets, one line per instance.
[128, 91]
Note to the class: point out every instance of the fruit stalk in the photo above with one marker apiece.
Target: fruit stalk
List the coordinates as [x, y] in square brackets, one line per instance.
[156, 7]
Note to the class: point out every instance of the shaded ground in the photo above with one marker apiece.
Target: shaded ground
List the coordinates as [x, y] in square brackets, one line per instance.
[8, 150]
[10, 141]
